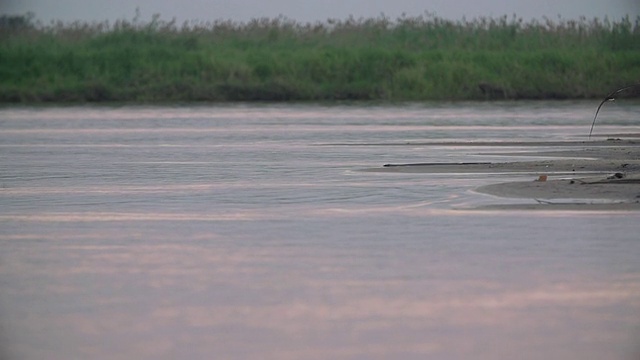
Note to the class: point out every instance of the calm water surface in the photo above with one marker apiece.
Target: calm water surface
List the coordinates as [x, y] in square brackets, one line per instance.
[249, 232]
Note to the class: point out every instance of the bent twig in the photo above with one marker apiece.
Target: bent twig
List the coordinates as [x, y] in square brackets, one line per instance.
[610, 97]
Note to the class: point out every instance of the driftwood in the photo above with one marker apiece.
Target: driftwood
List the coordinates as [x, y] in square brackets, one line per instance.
[437, 164]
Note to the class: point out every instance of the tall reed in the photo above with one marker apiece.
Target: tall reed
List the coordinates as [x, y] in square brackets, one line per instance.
[277, 59]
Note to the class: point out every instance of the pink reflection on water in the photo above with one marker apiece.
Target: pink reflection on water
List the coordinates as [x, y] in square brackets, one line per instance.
[156, 301]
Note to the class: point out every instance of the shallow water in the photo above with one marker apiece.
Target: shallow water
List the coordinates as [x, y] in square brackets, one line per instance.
[249, 232]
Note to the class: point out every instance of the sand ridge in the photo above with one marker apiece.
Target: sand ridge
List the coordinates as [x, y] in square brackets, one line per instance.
[612, 183]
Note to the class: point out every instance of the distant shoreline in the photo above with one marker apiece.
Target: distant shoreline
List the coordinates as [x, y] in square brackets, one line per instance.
[278, 60]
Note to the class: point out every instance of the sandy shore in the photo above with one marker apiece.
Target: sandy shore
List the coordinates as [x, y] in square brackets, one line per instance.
[612, 183]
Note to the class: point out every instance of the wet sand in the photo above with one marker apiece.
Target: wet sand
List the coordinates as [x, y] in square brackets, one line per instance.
[582, 175]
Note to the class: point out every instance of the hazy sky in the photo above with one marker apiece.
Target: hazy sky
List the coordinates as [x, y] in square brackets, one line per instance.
[316, 10]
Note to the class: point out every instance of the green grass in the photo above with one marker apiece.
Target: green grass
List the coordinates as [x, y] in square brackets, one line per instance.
[410, 58]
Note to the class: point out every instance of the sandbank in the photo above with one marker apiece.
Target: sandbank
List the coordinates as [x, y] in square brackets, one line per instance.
[575, 175]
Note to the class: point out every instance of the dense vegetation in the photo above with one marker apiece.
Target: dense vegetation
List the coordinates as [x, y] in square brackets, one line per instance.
[410, 58]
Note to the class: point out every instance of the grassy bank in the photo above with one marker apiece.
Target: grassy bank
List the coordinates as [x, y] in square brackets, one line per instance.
[411, 58]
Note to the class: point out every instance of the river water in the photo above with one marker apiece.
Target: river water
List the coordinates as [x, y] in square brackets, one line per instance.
[250, 232]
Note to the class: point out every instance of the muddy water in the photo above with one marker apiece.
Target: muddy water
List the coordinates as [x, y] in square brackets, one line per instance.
[247, 232]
